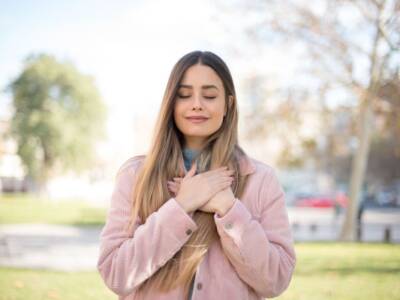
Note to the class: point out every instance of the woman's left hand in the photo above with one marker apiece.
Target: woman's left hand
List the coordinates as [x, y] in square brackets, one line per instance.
[220, 203]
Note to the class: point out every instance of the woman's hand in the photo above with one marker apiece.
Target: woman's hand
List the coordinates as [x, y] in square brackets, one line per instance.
[195, 190]
[220, 203]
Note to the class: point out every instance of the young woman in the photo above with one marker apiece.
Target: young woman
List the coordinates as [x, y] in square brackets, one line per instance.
[197, 218]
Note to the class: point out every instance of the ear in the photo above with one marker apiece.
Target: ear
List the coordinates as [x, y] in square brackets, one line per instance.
[230, 102]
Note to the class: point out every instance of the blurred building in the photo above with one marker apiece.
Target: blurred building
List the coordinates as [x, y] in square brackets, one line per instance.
[12, 175]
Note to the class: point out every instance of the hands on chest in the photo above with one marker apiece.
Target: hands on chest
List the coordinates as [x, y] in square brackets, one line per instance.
[209, 191]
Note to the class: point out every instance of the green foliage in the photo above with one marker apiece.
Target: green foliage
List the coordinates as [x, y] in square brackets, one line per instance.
[58, 117]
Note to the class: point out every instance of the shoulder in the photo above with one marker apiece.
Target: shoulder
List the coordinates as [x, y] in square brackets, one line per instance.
[261, 169]
[131, 165]
[264, 174]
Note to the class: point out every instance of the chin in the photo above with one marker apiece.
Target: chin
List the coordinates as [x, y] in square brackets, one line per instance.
[197, 133]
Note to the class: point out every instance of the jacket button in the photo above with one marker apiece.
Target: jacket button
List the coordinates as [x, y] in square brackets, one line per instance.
[188, 231]
[199, 286]
[228, 225]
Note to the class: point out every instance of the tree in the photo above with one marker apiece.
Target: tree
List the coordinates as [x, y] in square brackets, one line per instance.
[280, 115]
[350, 46]
[58, 116]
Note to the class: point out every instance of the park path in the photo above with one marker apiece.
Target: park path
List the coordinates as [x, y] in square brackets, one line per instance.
[44, 246]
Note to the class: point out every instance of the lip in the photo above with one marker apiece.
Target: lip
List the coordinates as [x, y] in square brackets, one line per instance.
[197, 119]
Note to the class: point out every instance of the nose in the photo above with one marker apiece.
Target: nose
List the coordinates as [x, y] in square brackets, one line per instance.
[197, 104]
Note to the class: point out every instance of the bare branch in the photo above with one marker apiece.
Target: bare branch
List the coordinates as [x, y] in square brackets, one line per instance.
[392, 46]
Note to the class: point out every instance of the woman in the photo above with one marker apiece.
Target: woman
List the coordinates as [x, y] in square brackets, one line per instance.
[196, 218]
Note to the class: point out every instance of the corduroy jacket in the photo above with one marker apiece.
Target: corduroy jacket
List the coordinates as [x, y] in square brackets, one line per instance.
[254, 257]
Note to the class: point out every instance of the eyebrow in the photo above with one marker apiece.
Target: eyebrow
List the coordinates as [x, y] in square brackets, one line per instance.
[204, 87]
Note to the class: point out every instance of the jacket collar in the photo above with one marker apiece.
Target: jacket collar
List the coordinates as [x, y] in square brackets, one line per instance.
[246, 165]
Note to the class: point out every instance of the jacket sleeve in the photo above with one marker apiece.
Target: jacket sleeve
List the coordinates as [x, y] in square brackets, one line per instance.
[262, 252]
[128, 259]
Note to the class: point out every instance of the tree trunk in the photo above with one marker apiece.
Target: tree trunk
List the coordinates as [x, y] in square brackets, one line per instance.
[41, 190]
[360, 157]
[359, 166]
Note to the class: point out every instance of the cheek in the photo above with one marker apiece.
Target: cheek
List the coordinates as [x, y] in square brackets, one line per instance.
[180, 108]
[217, 120]
[217, 115]
[217, 111]
[178, 115]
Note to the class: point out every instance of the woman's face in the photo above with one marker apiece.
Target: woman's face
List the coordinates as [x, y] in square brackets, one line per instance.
[200, 94]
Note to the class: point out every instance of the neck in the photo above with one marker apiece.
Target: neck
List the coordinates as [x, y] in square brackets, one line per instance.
[193, 143]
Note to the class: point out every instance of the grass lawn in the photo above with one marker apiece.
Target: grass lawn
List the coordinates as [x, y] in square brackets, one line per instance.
[345, 271]
[324, 271]
[24, 208]
[40, 285]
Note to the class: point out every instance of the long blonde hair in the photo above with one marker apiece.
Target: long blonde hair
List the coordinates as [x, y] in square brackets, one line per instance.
[164, 161]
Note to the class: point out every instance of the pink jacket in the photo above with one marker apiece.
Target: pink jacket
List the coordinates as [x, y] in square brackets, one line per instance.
[254, 259]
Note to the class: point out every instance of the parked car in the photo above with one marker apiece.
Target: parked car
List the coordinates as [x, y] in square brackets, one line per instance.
[322, 201]
[382, 200]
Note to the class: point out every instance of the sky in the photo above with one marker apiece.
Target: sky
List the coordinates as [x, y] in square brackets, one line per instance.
[129, 47]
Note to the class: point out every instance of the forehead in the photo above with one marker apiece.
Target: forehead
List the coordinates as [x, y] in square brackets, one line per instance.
[198, 75]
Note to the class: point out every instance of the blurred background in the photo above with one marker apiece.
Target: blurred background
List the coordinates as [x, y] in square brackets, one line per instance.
[318, 90]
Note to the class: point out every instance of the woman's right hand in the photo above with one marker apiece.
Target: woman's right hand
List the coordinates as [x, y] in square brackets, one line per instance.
[196, 190]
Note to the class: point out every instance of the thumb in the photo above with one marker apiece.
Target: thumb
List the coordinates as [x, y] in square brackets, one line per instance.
[192, 170]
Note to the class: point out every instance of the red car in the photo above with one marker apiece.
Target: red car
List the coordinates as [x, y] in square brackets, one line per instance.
[322, 201]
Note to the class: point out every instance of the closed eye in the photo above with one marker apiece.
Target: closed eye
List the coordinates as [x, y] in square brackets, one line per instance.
[207, 97]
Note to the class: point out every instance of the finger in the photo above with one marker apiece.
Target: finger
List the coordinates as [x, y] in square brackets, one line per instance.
[221, 178]
[220, 169]
[224, 185]
[229, 172]
[174, 184]
[228, 180]
[220, 172]
[178, 179]
[192, 170]
[172, 189]
[225, 182]
[171, 185]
